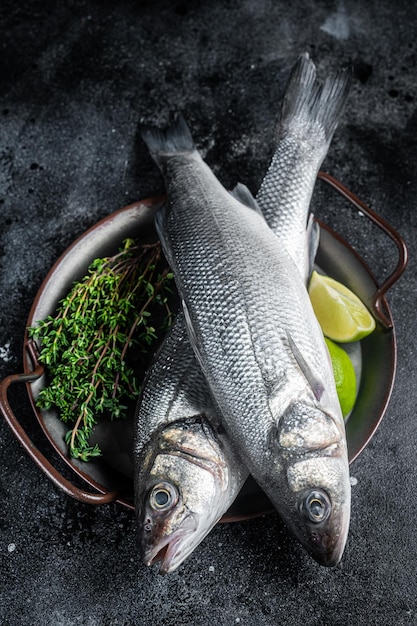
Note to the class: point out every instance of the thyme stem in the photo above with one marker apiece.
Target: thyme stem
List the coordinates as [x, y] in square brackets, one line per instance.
[96, 347]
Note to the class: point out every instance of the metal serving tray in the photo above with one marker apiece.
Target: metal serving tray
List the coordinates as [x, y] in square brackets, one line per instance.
[109, 478]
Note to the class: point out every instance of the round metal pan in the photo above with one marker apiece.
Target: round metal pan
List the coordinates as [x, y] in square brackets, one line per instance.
[109, 478]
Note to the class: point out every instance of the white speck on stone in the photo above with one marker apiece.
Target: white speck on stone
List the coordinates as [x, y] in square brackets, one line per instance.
[237, 620]
[11, 547]
[361, 214]
[211, 568]
[5, 352]
[353, 481]
[337, 24]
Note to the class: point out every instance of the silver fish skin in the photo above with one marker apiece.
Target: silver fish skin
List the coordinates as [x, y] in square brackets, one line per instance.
[187, 473]
[251, 325]
[310, 113]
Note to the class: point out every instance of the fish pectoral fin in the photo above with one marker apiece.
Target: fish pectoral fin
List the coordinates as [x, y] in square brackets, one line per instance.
[244, 196]
[315, 383]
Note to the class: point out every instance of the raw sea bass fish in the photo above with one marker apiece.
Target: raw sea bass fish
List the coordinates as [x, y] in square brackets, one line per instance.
[187, 474]
[308, 120]
[258, 342]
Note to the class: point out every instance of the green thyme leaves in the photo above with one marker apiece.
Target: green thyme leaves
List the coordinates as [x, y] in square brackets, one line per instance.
[103, 333]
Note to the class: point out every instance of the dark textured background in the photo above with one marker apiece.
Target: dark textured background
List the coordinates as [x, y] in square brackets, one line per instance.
[75, 80]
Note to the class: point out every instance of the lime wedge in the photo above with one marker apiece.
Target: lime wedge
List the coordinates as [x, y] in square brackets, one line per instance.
[344, 376]
[341, 314]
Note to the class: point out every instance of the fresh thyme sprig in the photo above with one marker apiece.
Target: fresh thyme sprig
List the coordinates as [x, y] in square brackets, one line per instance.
[100, 336]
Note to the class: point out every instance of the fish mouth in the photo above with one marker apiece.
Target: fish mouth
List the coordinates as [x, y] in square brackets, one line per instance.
[327, 560]
[327, 549]
[171, 551]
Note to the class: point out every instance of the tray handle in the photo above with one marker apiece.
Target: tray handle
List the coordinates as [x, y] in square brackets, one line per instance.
[36, 456]
[378, 298]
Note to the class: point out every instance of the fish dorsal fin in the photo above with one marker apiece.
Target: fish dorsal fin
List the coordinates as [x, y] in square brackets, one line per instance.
[315, 383]
[313, 240]
[191, 333]
[242, 193]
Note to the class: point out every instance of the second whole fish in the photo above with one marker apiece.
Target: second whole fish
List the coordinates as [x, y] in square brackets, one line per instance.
[187, 472]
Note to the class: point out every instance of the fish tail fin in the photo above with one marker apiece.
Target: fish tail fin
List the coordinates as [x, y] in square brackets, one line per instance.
[307, 104]
[176, 138]
[332, 99]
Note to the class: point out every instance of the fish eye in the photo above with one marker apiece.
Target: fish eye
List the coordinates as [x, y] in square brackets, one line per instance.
[316, 506]
[163, 497]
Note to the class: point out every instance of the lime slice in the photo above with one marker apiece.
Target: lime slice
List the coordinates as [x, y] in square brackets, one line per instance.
[341, 314]
[344, 376]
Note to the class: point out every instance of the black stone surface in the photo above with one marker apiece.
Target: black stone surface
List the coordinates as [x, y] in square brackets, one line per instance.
[76, 78]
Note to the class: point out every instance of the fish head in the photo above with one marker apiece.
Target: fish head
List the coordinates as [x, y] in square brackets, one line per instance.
[320, 507]
[183, 491]
[311, 459]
